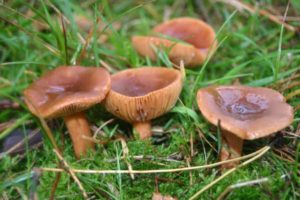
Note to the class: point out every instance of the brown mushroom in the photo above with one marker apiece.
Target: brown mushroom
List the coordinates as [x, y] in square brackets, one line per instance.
[198, 36]
[244, 113]
[66, 92]
[139, 95]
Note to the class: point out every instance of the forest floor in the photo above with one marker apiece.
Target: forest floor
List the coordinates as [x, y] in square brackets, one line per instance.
[252, 49]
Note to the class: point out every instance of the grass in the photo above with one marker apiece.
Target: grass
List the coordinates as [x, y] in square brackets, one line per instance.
[252, 49]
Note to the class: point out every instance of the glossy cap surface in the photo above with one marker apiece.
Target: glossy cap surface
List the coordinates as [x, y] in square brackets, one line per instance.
[67, 90]
[247, 112]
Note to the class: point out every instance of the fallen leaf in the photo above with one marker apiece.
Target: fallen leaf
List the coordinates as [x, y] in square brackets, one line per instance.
[15, 143]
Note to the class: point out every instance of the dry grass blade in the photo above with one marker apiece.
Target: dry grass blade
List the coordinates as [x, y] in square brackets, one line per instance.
[296, 108]
[65, 19]
[65, 40]
[102, 126]
[88, 171]
[28, 15]
[292, 84]
[244, 184]
[202, 136]
[108, 67]
[125, 151]
[70, 171]
[148, 157]
[46, 128]
[49, 133]
[54, 186]
[288, 79]
[285, 83]
[7, 124]
[292, 94]
[284, 155]
[263, 151]
[87, 41]
[239, 5]
[289, 18]
[48, 46]
[13, 126]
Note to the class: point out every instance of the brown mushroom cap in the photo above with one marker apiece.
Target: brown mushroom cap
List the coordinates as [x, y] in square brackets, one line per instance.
[247, 112]
[67, 90]
[146, 45]
[190, 30]
[198, 35]
[141, 94]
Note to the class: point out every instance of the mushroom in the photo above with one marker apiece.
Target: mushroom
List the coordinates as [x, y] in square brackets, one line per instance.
[244, 113]
[66, 92]
[198, 39]
[142, 94]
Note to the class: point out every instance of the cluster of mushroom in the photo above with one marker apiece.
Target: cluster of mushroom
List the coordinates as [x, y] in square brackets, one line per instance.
[134, 95]
[142, 94]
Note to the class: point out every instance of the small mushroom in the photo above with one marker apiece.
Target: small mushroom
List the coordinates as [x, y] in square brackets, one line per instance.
[66, 92]
[198, 36]
[139, 95]
[244, 113]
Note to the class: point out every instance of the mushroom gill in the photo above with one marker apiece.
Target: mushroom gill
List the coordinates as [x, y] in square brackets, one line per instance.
[140, 95]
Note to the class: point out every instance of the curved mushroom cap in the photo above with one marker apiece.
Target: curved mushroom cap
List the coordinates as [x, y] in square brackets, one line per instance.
[198, 35]
[145, 46]
[247, 112]
[190, 30]
[67, 90]
[141, 94]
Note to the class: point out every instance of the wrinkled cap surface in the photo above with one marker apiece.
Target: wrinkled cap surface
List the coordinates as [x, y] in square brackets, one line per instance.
[190, 30]
[247, 112]
[67, 90]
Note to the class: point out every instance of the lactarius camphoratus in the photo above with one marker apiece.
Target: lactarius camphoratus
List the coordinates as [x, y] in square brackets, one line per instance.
[66, 92]
[244, 113]
[142, 94]
[198, 40]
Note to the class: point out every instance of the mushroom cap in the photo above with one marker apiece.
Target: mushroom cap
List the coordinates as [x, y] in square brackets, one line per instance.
[67, 90]
[193, 31]
[198, 35]
[141, 94]
[247, 112]
[147, 45]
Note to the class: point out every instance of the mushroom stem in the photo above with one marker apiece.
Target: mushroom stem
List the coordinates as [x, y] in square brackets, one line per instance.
[231, 148]
[143, 129]
[78, 127]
